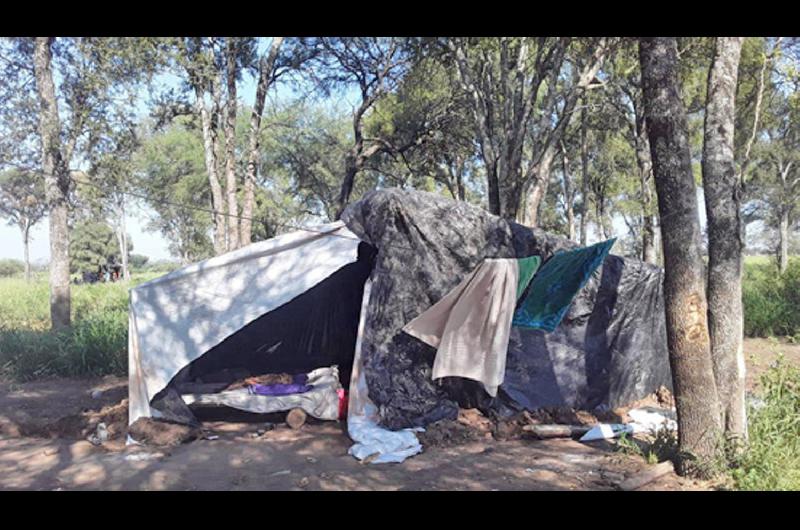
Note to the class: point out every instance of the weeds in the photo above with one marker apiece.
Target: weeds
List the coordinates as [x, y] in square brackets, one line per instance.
[96, 344]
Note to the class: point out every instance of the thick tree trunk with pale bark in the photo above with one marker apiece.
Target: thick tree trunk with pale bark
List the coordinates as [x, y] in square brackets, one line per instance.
[217, 198]
[725, 246]
[230, 145]
[26, 244]
[783, 240]
[266, 71]
[645, 164]
[56, 182]
[568, 193]
[699, 418]
[122, 239]
[584, 177]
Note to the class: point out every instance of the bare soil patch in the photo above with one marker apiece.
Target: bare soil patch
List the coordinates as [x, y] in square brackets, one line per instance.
[44, 426]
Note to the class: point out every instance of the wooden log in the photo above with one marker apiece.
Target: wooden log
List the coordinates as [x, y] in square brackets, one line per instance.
[647, 476]
[296, 418]
[547, 431]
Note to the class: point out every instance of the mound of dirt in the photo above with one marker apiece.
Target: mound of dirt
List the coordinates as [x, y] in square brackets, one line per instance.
[82, 425]
[161, 433]
[447, 433]
[470, 426]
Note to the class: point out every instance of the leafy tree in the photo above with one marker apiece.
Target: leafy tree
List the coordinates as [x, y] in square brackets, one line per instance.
[66, 120]
[428, 134]
[93, 245]
[22, 204]
[138, 261]
[170, 173]
[373, 67]
[522, 99]
[211, 64]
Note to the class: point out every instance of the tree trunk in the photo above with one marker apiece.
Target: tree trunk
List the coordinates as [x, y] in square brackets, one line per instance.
[699, 418]
[26, 243]
[123, 239]
[529, 214]
[723, 204]
[350, 171]
[568, 194]
[459, 177]
[230, 145]
[217, 200]
[56, 181]
[266, 69]
[783, 247]
[645, 165]
[584, 177]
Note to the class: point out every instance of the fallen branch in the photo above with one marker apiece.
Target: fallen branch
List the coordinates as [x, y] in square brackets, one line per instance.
[546, 431]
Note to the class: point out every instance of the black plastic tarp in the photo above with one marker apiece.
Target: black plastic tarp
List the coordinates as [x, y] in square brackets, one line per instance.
[609, 349]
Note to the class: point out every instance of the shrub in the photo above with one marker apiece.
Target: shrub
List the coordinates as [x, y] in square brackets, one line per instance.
[771, 460]
[11, 267]
[771, 300]
[96, 344]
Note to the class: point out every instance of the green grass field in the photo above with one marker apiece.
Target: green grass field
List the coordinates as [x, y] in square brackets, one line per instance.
[96, 344]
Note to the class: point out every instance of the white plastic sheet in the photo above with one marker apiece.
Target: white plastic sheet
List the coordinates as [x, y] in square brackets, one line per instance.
[370, 439]
[178, 317]
[650, 419]
[606, 431]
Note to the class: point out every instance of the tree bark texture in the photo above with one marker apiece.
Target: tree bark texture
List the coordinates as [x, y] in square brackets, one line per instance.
[266, 72]
[584, 177]
[217, 198]
[230, 144]
[56, 182]
[699, 417]
[725, 245]
[645, 164]
[26, 243]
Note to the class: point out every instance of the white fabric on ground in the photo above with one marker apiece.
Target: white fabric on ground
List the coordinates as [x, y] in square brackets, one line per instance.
[362, 415]
[471, 325]
[322, 401]
[607, 431]
[651, 419]
[178, 317]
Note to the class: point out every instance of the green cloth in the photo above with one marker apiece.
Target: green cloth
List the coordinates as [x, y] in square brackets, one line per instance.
[556, 284]
[527, 268]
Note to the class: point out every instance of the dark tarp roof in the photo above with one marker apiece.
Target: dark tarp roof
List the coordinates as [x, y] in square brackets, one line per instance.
[610, 348]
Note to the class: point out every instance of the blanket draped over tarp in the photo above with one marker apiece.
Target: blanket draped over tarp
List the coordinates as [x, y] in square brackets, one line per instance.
[470, 326]
[610, 347]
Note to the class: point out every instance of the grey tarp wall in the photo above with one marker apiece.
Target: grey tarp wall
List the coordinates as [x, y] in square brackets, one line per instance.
[610, 349]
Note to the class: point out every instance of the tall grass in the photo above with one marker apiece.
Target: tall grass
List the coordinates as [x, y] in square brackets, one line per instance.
[771, 300]
[96, 344]
[771, 460]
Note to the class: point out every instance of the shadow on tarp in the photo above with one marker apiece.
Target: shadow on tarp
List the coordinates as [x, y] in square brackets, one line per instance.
[315, 329]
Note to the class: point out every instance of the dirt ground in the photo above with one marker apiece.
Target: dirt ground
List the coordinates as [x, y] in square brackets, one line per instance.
[44, 427]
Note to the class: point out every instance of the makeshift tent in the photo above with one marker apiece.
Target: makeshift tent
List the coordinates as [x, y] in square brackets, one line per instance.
[294, 303]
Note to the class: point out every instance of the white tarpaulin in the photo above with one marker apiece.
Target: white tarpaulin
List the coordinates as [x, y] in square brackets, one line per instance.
[178, 317]
[371, 440]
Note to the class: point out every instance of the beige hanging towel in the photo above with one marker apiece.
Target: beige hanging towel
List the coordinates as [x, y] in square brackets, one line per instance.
[470, 326]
